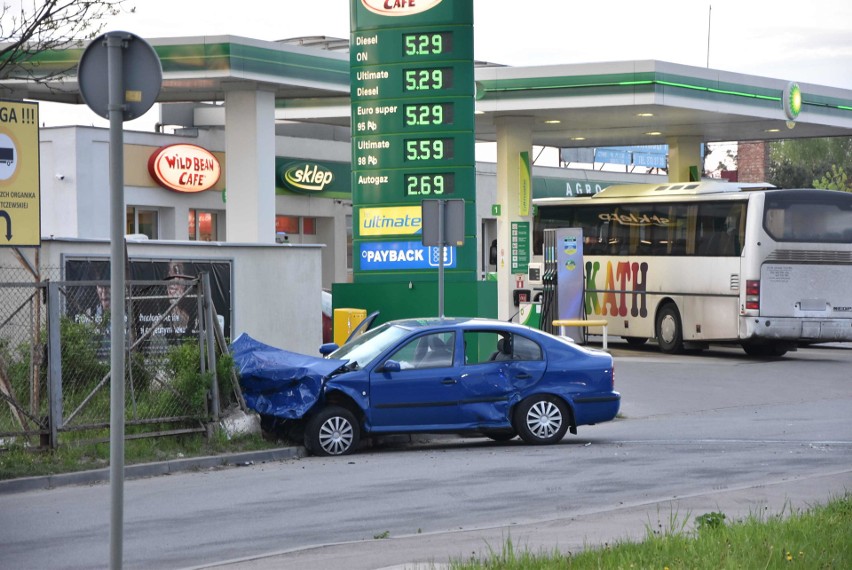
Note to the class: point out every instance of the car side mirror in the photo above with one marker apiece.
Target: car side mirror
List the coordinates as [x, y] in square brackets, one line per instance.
[328, 348]
[391, 366]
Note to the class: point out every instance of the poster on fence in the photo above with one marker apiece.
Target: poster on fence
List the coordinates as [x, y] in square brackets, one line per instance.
[163, 296]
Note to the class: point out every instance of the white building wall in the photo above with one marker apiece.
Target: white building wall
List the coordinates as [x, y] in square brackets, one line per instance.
[275, 288]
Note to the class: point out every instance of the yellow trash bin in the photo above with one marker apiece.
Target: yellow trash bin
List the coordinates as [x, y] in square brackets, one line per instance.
[345, 321]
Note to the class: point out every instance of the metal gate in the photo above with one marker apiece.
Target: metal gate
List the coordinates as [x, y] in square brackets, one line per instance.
[55, 359]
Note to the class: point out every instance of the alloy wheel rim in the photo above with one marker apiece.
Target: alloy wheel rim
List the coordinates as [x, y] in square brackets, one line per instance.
[336, 435]
[544, 419]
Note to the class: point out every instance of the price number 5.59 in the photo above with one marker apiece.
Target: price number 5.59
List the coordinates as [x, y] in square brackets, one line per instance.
[428, 149]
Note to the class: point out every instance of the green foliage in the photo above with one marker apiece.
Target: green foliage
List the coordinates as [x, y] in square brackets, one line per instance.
[709, 521]
[82, 365]
[837, 179]
[816, 538]
[804, 163]
[21, 461]
[184, 364]
[16, 363]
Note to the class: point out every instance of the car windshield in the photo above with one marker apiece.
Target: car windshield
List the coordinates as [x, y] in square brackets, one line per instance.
[363, 350]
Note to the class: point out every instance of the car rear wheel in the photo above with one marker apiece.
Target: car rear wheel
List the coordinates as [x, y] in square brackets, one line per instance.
[332, 431]
[541, 420]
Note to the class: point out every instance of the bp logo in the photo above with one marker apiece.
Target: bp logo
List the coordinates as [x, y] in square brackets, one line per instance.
[307, 177]
[792, 101]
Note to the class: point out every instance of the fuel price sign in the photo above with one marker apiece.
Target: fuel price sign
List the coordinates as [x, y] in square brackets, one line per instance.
[412, 103]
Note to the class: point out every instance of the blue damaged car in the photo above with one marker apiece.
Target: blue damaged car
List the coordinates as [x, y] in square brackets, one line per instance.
[449, 375]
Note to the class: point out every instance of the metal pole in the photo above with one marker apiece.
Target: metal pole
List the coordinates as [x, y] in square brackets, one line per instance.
[441, 241]
[210, 322]
[54, 371]
[115, 43]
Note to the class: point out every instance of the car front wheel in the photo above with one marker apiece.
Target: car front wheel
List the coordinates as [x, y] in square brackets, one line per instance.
[332, 431]
[541, 420]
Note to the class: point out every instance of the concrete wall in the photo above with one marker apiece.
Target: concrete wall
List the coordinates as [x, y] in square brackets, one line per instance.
[276, 288]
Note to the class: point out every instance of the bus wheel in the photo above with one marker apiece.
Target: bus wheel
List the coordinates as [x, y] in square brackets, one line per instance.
[669, 330]
[635, 340]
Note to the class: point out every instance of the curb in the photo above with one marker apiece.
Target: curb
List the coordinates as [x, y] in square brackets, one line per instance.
[142, 470]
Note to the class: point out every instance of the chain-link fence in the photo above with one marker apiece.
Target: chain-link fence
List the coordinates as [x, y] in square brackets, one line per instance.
[59, 390]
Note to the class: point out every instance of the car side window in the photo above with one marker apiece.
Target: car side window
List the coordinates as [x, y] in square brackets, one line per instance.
[490, 346]
[480, 346]
[434, 350]
[525, 349]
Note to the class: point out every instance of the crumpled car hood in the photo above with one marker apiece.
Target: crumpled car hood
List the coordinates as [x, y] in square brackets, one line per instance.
[277, 382]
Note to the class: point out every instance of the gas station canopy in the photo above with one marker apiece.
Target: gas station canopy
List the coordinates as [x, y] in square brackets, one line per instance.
[578, 105]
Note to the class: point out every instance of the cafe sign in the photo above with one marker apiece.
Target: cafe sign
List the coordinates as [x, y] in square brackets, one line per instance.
[184, 168]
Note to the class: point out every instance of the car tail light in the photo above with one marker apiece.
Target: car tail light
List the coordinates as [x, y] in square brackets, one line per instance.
[752, 295]
[612, 376]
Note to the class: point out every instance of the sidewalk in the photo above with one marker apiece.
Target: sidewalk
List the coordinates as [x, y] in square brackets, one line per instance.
[141, 470]
[590, 528]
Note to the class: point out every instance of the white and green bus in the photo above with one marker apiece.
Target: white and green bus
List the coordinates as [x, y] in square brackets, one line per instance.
[694, 263]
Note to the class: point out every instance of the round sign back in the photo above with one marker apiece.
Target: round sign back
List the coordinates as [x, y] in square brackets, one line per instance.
[141, 70]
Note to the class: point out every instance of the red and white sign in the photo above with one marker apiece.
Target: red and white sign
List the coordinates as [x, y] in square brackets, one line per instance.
[399, 7]
[184, 168]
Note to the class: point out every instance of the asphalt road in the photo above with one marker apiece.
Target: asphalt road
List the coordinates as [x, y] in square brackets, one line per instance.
[697, 433]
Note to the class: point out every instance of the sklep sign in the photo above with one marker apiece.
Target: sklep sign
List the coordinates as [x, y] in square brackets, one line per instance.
[306, 176]
[184, 168]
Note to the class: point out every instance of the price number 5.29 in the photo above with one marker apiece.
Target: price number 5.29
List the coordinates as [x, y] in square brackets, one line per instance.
[427, 79]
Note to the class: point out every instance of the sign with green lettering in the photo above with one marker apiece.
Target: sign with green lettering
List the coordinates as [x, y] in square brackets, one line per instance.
[520, 243]
[412, 123]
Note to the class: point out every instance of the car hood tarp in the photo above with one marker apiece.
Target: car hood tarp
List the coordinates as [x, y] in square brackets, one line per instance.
[277, 382]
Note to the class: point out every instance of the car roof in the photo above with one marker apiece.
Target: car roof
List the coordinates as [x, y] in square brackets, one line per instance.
[459, 322]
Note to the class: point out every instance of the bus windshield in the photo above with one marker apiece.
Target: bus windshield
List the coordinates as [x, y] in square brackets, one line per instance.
[804, 216]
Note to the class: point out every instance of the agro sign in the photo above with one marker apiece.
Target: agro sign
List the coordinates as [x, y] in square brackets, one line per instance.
[184, 168]
[399, 7]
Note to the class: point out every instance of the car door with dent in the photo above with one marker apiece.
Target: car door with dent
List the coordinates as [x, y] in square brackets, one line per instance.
[422, 392]
[499, 366]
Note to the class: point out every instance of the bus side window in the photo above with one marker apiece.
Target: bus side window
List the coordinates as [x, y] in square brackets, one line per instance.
[720, 226]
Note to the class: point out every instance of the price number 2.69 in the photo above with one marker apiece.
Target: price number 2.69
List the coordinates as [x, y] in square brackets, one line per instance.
[429, 184]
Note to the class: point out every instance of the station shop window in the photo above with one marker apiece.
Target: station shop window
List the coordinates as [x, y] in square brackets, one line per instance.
[309, 226]
[287, 224]
[295, 225]
[141, 221]
[202, 226]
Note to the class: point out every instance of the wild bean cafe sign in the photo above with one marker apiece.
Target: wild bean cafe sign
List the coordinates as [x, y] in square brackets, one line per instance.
[184, 168]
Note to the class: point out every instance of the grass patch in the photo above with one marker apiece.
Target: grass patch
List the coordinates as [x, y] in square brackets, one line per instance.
[814, 538]
[18, 461]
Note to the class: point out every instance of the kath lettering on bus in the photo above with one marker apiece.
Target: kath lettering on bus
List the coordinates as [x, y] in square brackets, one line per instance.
[615, 291]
